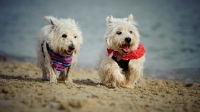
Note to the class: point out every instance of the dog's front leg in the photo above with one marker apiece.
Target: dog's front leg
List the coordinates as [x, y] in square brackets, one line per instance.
[111, 74]
[67, 75]
[53, 74]
[131, 77]
[135, 72]
[44, 75]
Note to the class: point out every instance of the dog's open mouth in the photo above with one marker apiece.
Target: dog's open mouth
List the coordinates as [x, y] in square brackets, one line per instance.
[125, 48]
[69, 52]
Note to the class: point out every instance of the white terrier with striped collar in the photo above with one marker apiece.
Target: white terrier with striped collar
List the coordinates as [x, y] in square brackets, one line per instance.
[58, 48]
[121, 60]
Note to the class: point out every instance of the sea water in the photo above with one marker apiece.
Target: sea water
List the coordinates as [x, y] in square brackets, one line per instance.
[169, 29]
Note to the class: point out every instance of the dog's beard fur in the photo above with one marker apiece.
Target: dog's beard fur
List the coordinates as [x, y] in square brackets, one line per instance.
[61, 44]
[117, 41]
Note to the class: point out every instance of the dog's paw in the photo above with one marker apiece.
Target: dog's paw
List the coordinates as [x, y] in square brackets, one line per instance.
[53, 81]
[110, 85]
[68, 82]
[121, 80]
[129, 86]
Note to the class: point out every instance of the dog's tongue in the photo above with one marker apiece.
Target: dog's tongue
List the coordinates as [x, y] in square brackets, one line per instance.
[126, 48]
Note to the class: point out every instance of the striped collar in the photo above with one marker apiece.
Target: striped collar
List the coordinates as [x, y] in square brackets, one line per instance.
[59, 61]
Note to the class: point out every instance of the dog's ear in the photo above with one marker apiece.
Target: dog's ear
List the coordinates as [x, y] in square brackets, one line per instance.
[109, 19]
[51, 20]
[74, 22]
[130, 18]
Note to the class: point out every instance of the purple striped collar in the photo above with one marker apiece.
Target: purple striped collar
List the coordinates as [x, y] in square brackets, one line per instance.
[59, 61]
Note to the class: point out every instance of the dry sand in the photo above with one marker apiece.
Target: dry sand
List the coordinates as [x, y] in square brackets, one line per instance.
[21, 89]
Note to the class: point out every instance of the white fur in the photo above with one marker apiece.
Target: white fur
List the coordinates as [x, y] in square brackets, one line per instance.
[52, 34]
[109, 71]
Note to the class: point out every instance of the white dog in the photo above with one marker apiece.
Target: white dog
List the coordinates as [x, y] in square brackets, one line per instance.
[58, 48]
[122, 58]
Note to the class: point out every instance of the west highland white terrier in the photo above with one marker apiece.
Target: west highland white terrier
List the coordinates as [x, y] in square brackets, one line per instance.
[58, 48]
[121, 60]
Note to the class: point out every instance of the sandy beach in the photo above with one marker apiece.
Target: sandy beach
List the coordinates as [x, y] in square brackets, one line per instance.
[21, 90]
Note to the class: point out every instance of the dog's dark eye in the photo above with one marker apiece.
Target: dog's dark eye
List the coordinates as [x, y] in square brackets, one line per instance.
[119, 33]
[130, 32]
[75, 36]
[64, 35]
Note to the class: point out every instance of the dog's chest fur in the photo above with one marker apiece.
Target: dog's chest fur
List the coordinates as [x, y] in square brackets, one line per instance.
[122, 63]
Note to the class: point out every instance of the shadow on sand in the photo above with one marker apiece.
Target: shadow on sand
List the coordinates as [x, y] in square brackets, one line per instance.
[2, 76]
[88, 82]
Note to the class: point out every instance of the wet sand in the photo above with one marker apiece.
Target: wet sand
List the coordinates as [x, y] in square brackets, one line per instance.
[21, 89]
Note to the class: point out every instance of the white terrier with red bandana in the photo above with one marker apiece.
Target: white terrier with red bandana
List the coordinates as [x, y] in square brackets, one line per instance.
[58, 48]
[122, 58]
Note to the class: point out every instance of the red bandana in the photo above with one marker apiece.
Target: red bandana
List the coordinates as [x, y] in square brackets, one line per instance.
[138, 53]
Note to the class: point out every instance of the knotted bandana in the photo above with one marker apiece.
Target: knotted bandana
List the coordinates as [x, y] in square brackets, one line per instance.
[138, 53]
[60, 62]
[123, 60]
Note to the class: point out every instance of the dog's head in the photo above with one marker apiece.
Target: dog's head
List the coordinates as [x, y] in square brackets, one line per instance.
[121, 34]
[65, 36]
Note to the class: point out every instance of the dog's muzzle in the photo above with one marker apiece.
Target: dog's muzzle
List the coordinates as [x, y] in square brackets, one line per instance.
[70, 50]
[71, 47]
[127, 40]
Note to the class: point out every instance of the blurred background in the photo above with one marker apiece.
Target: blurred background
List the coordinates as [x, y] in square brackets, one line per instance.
[169, 29]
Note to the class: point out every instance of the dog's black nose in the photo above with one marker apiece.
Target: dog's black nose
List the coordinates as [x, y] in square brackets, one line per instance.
[128, 39]
[71, 47]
